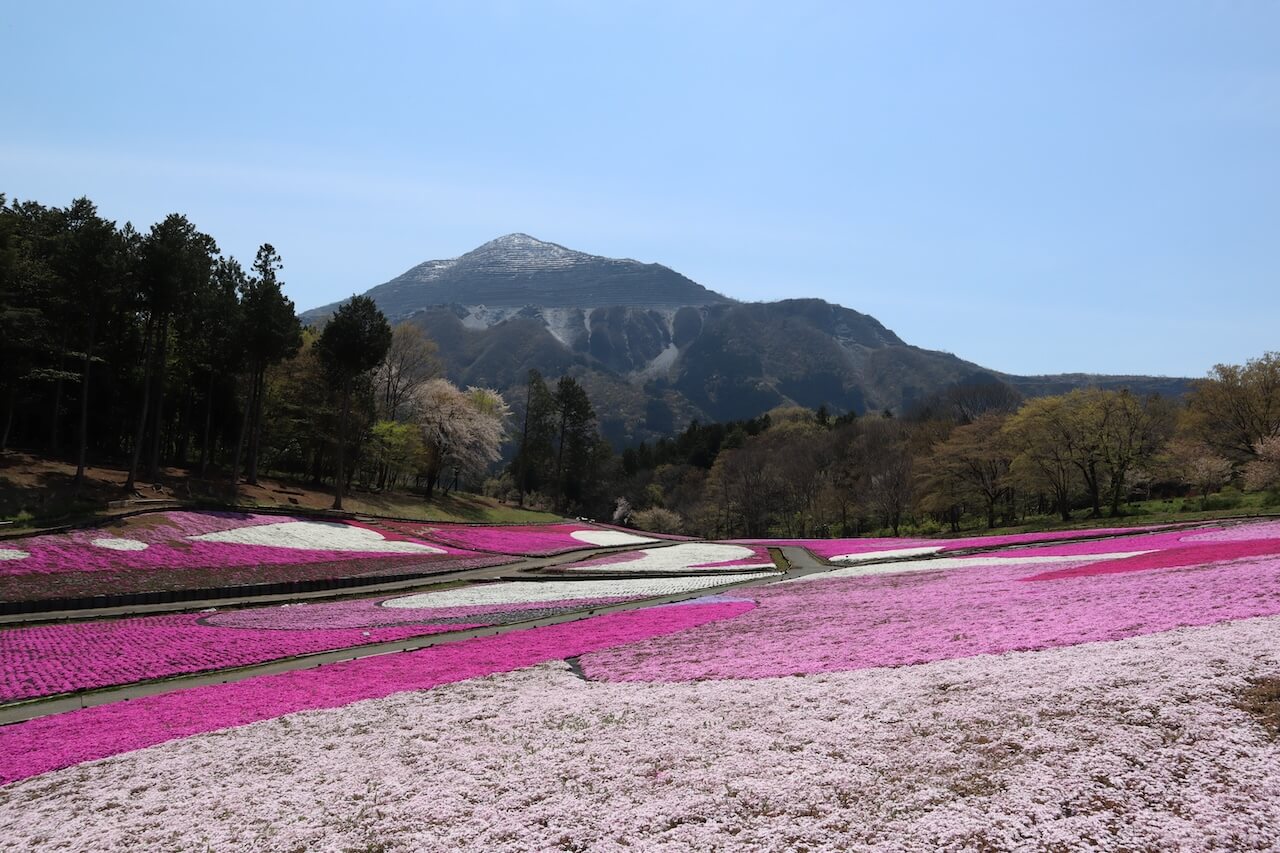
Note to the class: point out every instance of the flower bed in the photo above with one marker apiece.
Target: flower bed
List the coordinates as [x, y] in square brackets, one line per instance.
[192, 550]
[524, 592]
[47, 743]
[51, 659]
[902, 618]
[685, 557]
[525, 540]
[1135, 745]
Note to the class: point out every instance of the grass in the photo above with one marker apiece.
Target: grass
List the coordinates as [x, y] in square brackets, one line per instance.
[36, 492]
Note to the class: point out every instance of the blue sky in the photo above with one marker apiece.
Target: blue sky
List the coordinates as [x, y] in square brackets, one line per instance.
[1037, 187]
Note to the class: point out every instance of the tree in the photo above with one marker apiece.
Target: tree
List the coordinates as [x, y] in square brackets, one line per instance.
[973, 462]
[1237, 407]
[533, 458]
[890, 480]
[354, 342]
[1264, 471]
[174, 260]
[575, 439]
[461, 430]
[88, 257]
[270, 334]
[1042, 460]
[1132, 431]
[411, 360]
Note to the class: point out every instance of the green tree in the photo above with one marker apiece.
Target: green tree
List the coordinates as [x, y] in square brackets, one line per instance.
[90, 261]
[271, 333]
[537, 437]
[575, 421]
[174, 260]
[353, 343]
[1236, 407]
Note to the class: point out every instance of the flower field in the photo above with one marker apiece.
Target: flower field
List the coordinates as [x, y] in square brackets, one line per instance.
[45, 660]
[1060, 696]
[51, 659]
[525, 540]
[692, 557]
[185, 550]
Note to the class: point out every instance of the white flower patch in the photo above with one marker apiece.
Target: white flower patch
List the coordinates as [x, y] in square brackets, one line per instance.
[687, 557]
[120, 544]
[605, 538]
[316, 536]
[523, 592]
[886, 555]
[959, 563]
[13, 554]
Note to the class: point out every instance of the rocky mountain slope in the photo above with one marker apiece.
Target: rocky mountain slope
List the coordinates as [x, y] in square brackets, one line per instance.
[656, 349]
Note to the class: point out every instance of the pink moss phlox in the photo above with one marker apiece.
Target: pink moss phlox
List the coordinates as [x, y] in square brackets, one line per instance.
[48, 743]
[50, 659]
[1238, 532]
[1168, 558]
[369, 613]
[910, 618]
[170, 546]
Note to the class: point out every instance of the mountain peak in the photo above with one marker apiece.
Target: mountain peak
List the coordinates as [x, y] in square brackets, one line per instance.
[517, 271]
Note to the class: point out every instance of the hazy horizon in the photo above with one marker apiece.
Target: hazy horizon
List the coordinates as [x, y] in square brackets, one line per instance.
[1064, 188]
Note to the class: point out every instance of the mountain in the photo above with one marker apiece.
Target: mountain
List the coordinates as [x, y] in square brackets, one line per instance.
[655, 349]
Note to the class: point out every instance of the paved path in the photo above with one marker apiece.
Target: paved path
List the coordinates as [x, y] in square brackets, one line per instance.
[370, 590]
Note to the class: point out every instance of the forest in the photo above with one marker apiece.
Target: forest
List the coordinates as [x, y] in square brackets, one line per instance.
[152, 350]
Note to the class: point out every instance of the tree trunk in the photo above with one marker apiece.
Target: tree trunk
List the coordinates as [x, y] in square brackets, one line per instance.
[240, 442]
[8, 419]
[157, 437]
[340, 482]
[560, 464]
[57, 398]
[522, 457]
[83, 449]
[255, 428]
[183, 443]
[140, 433]
[208, 423]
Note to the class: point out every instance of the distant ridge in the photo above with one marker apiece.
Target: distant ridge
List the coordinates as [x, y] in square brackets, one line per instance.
[656, 349]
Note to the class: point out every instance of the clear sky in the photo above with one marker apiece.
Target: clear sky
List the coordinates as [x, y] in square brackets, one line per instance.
[1037, 187]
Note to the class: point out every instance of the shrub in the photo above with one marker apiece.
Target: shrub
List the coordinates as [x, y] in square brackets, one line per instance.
[657, 520]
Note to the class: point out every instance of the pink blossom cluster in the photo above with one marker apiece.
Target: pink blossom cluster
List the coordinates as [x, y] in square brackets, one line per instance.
[167, 541]
[1132, 745]
[48, 743]
[51, 659]
[62, 658]
[369, 613]
[916, 617]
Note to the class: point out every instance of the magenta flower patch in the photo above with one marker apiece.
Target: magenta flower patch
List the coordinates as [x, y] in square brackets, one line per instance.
[48, 743]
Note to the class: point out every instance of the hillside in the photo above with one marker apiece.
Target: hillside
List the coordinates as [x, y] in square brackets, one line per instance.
[656, 349]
